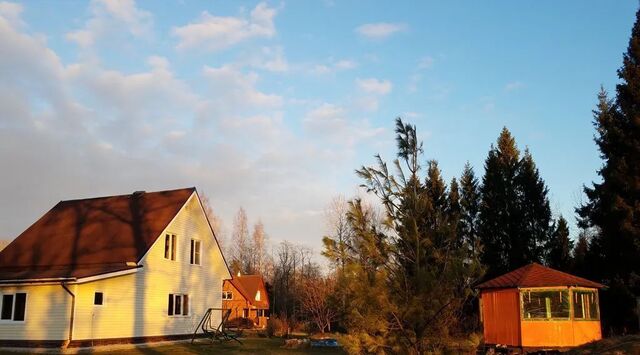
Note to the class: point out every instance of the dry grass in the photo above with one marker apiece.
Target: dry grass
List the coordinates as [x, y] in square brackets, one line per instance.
[611, 346]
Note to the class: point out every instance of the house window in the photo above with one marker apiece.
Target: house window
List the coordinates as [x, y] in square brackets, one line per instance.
[170, 246]
[98, 298]
[13, 307]
[260, 313]
[245, 313]
[585, 305]
[178, 305]
[545, 304]
[258, 295]
[227, 295]
[195, 252]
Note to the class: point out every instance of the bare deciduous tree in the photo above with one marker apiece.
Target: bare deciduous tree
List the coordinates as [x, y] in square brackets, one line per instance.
[257, 248]
[214, 220]
[240, 244]
[314, 298]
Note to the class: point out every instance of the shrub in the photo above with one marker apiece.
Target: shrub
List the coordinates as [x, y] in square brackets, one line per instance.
[276, 327]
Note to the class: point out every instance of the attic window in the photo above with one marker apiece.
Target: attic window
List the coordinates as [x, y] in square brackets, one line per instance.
[227, 295]
[258, 295]
[170, 246]
[195, 252]
[98, 299]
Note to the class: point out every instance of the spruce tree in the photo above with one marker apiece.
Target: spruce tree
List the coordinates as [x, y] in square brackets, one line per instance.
[515, 217]
[559, 247]
[534, 212]
[454, 211]
[614, 204]
[469, 209]
[499, 210]
[580, 266]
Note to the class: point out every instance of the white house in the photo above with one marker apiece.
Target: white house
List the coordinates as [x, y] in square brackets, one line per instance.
[128, 268]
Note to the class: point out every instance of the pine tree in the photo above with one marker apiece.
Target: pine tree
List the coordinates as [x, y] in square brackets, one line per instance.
[614, 204]
[469, 209]
[430, 274]
[559, 247]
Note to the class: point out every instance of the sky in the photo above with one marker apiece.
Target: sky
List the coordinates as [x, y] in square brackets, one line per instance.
[272, 105]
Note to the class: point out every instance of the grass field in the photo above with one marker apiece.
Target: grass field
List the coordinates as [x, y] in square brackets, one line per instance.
[249, 346]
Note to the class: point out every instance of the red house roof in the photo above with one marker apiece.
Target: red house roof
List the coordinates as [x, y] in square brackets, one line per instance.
[536, 275]
[249, 285]
[89, 237]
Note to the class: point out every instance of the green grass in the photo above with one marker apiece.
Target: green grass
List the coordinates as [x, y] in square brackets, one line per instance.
[249, 346]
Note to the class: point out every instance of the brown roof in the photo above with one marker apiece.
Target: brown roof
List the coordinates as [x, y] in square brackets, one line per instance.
[88, 237]
[536, 275]
[249, 285]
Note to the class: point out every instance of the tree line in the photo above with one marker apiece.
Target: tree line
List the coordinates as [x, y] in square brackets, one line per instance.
[296, 286]
[404, 273]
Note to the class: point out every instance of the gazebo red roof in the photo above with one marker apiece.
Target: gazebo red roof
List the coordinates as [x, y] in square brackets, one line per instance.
[536, 275]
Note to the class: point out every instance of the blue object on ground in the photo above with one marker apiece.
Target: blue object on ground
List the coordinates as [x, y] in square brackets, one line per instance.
[321, 343]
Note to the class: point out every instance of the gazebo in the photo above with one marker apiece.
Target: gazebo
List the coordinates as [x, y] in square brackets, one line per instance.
[538, 307]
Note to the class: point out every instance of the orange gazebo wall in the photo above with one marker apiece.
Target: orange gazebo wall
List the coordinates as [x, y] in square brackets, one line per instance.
[501, 316]
[559, 333]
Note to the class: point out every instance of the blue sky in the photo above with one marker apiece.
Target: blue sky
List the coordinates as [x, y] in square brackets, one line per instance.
[272, 105]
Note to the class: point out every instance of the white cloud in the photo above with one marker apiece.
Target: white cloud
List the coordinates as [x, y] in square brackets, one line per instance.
[270, 59]
[513, 86]
[332, 121]
[216, 32]
[11, 12]
[109, 16]
[374, 86]
[380, 30]
[89, 130]
[334, 66]
[236, 89]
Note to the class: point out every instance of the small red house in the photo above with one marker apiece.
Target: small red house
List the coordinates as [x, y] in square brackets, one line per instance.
[539, 307]
[246, 296]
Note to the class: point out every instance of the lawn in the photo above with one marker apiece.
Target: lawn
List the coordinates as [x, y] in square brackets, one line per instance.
[249, 346]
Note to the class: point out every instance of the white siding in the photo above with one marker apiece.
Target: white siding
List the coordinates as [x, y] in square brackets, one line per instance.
[135, 305]
[47, 314]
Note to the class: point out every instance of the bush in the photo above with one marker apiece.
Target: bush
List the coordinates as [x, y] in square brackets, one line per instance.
[276, 327]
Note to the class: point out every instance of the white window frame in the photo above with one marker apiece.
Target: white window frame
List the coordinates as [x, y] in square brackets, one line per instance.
[227, 295]
[103, 299]
[173, 246]
[181, 295]
[192, 252]
[13, 307]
